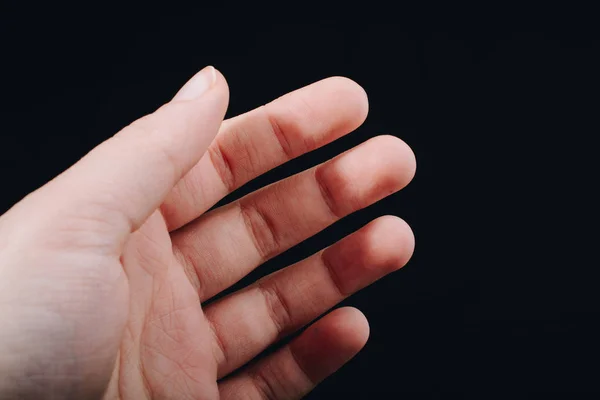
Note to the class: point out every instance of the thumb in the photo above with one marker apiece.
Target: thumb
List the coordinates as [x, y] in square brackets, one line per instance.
[125, 179]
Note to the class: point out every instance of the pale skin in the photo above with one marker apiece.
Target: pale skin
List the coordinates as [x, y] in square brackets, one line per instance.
[106, 271]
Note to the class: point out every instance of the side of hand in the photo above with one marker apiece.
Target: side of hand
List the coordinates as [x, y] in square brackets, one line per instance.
[105, 270]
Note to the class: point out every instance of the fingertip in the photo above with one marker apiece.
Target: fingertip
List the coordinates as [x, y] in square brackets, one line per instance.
[379, 248]
[399, 154]
[382, 246]
[221, 87]
[343, 102]
[220, 80]
[389, 241]
[354, 95]
[207, 81]
[331, 342]
[351, 327]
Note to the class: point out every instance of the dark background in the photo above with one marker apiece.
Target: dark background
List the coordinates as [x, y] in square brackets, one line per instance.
[500, 296]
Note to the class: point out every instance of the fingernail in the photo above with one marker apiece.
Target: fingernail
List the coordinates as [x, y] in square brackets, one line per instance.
[198, 85]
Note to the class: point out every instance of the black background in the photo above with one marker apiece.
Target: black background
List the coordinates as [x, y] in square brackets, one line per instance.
[499, 297]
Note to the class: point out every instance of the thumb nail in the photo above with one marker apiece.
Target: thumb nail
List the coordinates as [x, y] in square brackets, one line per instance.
[198, 85]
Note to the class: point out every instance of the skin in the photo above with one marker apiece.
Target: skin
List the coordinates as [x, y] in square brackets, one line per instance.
[106, 270]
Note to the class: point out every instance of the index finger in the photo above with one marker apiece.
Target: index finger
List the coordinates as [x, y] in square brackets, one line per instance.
[255, 142]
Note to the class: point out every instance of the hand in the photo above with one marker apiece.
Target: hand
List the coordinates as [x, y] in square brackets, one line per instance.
[105, 269]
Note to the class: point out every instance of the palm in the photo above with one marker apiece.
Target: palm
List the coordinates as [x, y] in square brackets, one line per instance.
[165, 351]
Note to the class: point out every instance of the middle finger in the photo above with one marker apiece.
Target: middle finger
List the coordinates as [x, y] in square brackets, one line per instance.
[224, 245]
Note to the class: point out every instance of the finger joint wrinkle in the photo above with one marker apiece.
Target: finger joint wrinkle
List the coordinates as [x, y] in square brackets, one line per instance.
[261, 230]
[279, 133]
[277, 306]
[222, 165]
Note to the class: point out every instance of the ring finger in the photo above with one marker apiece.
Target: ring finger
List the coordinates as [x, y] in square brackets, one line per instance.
[248, 321]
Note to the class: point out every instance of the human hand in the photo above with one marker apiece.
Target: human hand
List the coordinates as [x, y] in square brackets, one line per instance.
[104, 270]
